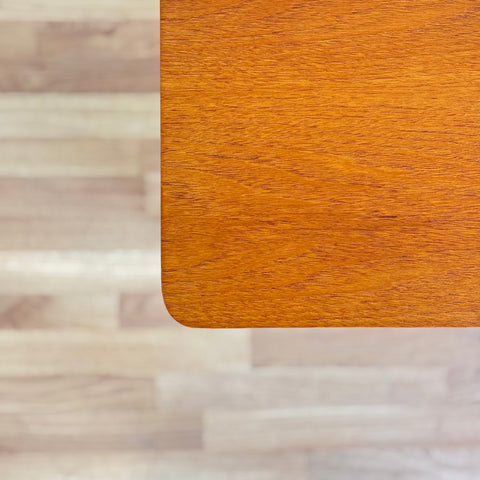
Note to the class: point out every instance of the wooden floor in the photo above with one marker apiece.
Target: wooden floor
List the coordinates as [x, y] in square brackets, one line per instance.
[97, 382]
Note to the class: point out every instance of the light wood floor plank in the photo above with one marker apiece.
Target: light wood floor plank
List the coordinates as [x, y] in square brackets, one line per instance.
[82, 213]
[137, 232]
[70, 198]
[67, 394]
[109, 57]
[89, 312]
[398, 464]
[278, 388]
[129, 353]
[366, 346]
[152, 193]
[77, 158]
[94, 430]
[205, 466]
[89, 413]
[341, 426]
[92, 116]
[18, 45]
[165, 466]
[69, 271]
[57, 10]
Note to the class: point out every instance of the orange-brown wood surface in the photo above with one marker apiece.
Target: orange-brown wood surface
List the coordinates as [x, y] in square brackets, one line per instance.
[321, 162]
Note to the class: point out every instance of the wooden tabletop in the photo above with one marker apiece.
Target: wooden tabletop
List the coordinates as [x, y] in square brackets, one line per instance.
[320, 162]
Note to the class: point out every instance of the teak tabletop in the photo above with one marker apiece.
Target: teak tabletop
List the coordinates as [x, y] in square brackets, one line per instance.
[321, 162]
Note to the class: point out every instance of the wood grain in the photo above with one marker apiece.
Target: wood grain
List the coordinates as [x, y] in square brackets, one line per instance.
[384, 464]
[105, 117]
[88, 10]
[341, 426]
[278, 388]
[66, 271]
[97, 381]
[320, 163]
[85, 213]
[184, 465]
[365, 347]
[138, 355]
[73, 157]
[36, 57]
[95, 312]
[89, 413]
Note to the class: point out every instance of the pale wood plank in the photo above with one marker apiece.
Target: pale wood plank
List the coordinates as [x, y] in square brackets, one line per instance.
[94, 116]
[205, 466]
[102, 40]
[88, 413]
[145, 310]
[87, 430]
[57, 10]
[152, 193]
[302, 387]
[399, 464]
[464, 384]
[187, 465]
[90, 312]
[65, 394]
[109, 57]
[18, 45]
[364, 347]
[67, 272]
[81, 213]
[150, 155]
[70, 198]
[130, 353]
[341, 426]
[96, 233]
[77, 158]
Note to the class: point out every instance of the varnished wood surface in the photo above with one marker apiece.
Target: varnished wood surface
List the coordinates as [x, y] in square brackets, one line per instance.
[320, 162]
[98, 382]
